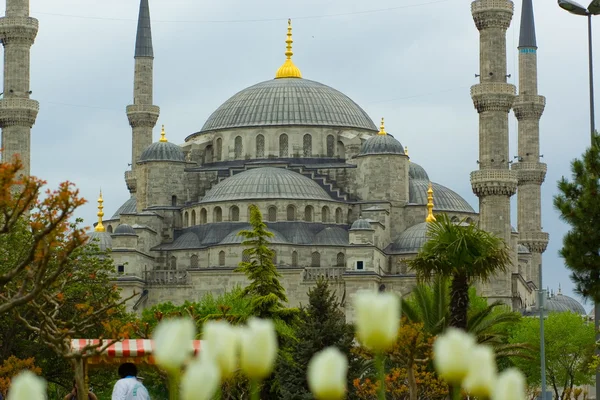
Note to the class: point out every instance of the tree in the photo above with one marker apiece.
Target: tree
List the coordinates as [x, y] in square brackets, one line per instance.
[322, 325]
[463, 253]
[36, 237]
[570, 345]
[11, 367]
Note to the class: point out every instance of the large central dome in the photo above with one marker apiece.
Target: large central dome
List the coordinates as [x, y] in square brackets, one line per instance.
[289, 101]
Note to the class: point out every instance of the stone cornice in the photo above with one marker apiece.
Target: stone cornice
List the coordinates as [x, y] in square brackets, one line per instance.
[18, 30]
[142, 115]
[492, 13]
[529, 106]
[18, 112]
[535, 241]
[494, 182]
[493, 96]
[530, 172]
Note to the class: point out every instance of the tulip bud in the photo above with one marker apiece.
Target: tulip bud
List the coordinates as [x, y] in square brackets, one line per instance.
[481, 378]
[258, 348]
[377, 319]
[451, 355]
[201, 379]
[327, 372]
[221, 344]
[510, 386]
[173, 342]
[27, 386]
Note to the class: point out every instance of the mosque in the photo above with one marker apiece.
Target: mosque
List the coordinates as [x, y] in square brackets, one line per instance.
[310, 158]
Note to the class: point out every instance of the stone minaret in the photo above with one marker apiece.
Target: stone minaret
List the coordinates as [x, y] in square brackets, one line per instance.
[142, 114]
[494, 183]
[17, 111]
[528, 108]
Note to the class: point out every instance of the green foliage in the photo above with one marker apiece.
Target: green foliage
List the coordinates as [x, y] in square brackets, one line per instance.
[579, 207]
[569, 346]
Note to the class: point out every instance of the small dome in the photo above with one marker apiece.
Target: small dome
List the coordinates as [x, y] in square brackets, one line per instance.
[361, 225]
[101, 239]
[124, 229]
[572, 304]
[444, 199]
[381, 144]
[332, 236]
[235, 238]
[415, 171]
[412, 239]
[129, 207]
[553, 305]
[266, 183]
[162, 151]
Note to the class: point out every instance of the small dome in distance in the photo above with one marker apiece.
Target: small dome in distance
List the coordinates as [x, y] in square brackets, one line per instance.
[100, 239]
[361, 225]
[162, 151]
[124, 229]
[382, 143]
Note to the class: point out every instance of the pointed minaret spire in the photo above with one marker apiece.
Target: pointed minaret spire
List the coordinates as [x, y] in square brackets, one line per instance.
[527, 35]
[143, 41]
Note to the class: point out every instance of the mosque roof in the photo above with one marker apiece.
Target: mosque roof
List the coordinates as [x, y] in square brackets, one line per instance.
[444, 199]
[382, 143]
[101, 239]
[162, 151]
[411, 240]
[234, 237]
[332, 235]
[266, 183]
[572, 304]
[124, 229]
[129, 207]
[415, 171]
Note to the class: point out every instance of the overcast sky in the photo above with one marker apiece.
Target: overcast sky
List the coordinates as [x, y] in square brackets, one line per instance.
[411, 61]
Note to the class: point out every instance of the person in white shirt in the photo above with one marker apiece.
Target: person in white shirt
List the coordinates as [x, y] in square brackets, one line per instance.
[129, 387]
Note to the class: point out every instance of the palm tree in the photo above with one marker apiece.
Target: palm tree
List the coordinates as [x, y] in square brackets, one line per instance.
[463, 253]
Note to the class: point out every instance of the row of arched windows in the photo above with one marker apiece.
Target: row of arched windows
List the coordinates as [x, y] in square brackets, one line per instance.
[315, 260]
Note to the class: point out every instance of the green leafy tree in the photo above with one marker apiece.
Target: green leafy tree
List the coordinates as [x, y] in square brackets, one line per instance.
[569, 345]
[463, 253]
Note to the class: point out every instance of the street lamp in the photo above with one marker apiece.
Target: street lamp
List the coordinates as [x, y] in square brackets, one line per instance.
[592, 9]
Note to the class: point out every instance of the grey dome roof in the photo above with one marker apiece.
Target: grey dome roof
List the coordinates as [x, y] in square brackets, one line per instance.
[162, 151]
[552, 305]
[415, 171]
[572, 304]
[235, 238]
[101, 239]
[124, 229]
[266, 183]
[332, 236]
[381, 144]
[444, 199]
[129, 207]
[411, 240]
[289, 101]
[361, 225]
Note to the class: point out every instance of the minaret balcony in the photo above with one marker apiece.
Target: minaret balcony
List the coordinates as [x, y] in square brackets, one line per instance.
[18, 111]
[494, 182]
[493, 96]
[492, 13]
[535, 241]
[18, 30]
[130, 181]
[530, 172]
[143, 115]
[529, 106]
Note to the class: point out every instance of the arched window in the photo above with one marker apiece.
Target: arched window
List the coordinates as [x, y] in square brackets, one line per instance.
[221, 258]
[307, 145]
[238, 147]
[173, 263]
[272, 214]
[193, 217]
[291, 213]
[325, 214]
[349, 216]
[260, 146]
[469, 220]
[454, 219]
[194, 261]
[315, 259]
[245, 256]
[341, 150]
[234, 213]
[341, 260]
[109, 229]
[330, 146]
[294, 259]
[208, 154]
[338, 216]
[203, 216]
[174, 201]
[186, 219]
[218, 149]
[217, 214]
[283, 145]
[308, 214]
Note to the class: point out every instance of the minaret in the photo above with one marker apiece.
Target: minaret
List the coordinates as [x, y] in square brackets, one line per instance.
[528, 108]
[17, 111]
[494, 183]
[142, 114]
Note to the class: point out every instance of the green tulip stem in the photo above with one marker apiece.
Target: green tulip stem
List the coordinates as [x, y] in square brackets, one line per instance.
[380, 364]
[254, 395]
[456, 392]
[173, 377]
[219, 393]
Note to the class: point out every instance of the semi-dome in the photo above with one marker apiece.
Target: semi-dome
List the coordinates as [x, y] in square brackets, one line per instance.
[415, 171]
[361, 225]
[100, 239]
[124, 229]
[411, 240]
[444, 199]
[266, 183]
[288, 101]
[129, 207]
[572, 304]
[381, 144]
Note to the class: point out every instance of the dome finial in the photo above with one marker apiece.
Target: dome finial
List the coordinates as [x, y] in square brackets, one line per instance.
[100, 226]
[288, 69]
[163, 137]
[559, 291]
[382, 128]
[430, 216]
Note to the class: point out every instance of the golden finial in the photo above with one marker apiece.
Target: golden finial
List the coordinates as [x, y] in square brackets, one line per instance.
[163, 137]
[288, 69]
[382, 128]
[406, 151]
[99, 226]
[430, 216]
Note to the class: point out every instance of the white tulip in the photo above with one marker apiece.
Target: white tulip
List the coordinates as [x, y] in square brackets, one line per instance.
[201, 379]
[510, 386]
[326, 374]
[258, 348]
[481, 378]
[221, 344]
[451, 355]
[173, 342]
[27, 386]
[377, 319]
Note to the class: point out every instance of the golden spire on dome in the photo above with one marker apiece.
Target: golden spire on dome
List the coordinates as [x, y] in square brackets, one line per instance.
[288, 69]
[430, 216]
[99, 226]
[163, 137]
[382, 128]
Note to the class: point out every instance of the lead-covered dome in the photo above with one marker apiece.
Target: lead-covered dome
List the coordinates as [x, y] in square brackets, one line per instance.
[411, 240]
[289, 101]
[266, 183]
[381, 144]
[162, 151]
[444, 199]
